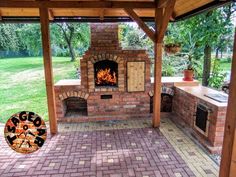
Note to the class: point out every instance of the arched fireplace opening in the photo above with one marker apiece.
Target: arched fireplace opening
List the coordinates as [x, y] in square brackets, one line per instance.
[106, 73]
[75, 106]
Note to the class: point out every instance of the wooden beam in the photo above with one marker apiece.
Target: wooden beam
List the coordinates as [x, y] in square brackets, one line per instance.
[51, 15]
[228, 160]
[157, 71]
[77, 4]
[44, 20]
[166, 18]
[141, 24]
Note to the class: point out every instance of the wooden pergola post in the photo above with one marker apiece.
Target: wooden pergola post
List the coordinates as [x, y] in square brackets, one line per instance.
[157, 70]
[162, 17]
[228, 161]
[163, 13]
[47, 58]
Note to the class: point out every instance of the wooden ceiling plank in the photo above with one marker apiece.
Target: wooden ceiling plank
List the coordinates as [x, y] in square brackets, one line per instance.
[141, 24]
[165, 20]
[77, 4]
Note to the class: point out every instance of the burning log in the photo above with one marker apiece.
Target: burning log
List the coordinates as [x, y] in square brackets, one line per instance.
[106, 77]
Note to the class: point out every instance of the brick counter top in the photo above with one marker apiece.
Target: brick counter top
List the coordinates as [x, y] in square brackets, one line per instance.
[200, 91]
[176, 81]
[68, 82]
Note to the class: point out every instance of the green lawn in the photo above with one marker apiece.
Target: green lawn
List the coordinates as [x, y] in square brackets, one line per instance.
[225, 65]
[22, 84]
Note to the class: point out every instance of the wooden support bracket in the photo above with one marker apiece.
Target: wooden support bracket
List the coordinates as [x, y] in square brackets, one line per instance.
[150, 33]
[165, 20]
[51, 15]
[102, 12]
[162, 3]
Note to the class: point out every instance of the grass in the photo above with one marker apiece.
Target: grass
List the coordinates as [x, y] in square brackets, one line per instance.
[225, 64]
[22, 84]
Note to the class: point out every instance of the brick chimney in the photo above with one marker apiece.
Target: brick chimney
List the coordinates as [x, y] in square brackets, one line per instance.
[104, 36]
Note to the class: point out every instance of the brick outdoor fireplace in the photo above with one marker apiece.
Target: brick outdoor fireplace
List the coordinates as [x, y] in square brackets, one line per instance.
[114, 84]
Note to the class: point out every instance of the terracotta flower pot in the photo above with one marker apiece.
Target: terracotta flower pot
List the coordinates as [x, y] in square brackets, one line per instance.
[188, 75]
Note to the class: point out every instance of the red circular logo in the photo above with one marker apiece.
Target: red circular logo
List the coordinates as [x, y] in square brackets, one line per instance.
[25, 132]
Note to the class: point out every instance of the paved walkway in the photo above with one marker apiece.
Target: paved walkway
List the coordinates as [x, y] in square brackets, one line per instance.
[111, 149]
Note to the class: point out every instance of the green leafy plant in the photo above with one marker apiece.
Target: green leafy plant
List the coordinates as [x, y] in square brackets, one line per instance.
[217, 77]
[170, 40]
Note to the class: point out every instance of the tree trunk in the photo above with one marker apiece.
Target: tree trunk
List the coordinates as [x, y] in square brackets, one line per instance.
[217, 52]
[221, 53]
[72, 52]
[207, 65]
[68, 40]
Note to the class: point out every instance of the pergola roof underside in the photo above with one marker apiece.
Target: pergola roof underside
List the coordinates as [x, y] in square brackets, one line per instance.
[183, 9]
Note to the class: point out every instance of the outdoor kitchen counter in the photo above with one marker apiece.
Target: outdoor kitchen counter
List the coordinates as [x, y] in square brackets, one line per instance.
[176, 81]
[200, 92]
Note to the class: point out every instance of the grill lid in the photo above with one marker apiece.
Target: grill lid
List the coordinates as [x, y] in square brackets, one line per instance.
[218, 97]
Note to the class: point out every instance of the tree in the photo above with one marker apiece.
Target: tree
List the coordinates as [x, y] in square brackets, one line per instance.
[131, 36]
[71, 36]
[29, 36]
[202, 33]
[8, 38]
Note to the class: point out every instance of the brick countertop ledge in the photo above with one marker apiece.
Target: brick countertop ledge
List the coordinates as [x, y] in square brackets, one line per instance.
[178, 81]
[68, 82]
[200, 91]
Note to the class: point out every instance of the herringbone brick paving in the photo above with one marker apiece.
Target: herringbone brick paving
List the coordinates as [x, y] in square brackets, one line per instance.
[105, 149]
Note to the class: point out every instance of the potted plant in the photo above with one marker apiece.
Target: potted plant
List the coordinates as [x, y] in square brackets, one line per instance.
[172, 45]
[189, 72]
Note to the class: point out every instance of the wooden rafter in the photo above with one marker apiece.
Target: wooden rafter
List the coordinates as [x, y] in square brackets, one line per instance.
[150, 33]
[76, 4]
[165, 20]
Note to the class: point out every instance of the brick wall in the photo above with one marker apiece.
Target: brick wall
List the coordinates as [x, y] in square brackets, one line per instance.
[185, 105]
[104, 36]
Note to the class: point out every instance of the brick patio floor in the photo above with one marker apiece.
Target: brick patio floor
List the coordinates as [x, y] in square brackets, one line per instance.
[111, 149]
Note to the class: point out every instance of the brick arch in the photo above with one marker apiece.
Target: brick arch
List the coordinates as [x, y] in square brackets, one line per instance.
[105, 56]
[164, 90]
[79, 94]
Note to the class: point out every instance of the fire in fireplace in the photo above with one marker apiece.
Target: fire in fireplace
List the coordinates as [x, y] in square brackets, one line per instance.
[106, 73]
